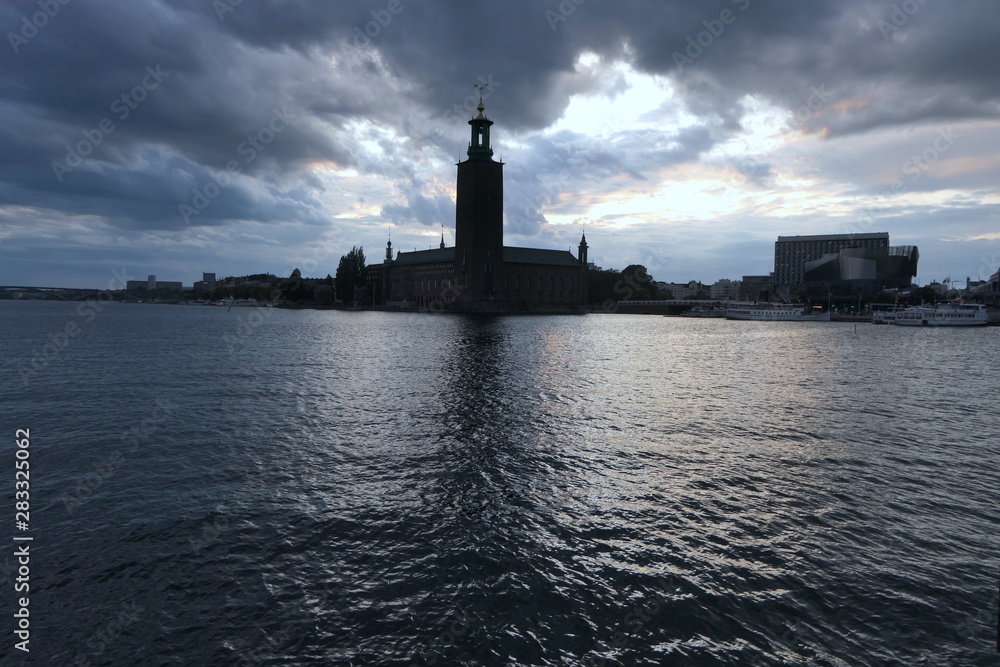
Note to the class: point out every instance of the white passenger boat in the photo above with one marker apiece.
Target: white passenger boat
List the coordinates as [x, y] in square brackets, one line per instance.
[884, 316]
[777, 313]
[943, 315]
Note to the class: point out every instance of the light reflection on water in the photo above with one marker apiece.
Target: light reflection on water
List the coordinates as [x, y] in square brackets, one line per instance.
[361, 485]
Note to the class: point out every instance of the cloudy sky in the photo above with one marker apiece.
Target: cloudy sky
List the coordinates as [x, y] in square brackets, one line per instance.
[178, 136]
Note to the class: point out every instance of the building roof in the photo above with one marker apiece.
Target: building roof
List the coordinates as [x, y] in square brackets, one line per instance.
[433, 256]
[834, 237]
[513, 255]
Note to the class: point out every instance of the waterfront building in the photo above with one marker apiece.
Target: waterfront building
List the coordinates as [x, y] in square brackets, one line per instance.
[870, 270]
[151, 284]
[986, 291]
[992, 286]
[679, 291]
[849, 262]
[725, 290]
[479, 272]
[756, 288]
[207, 282]
[791, 253]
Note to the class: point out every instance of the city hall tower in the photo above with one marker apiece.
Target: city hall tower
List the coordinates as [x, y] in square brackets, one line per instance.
[479, 215]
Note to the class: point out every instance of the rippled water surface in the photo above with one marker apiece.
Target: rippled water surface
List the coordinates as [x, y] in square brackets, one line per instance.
[292, 488]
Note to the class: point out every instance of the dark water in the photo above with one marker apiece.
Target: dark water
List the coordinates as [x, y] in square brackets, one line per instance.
[292, 488]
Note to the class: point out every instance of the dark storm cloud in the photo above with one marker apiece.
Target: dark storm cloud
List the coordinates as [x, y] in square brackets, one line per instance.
[917, 54]
[127, 109]
[885, 65]
[186, 88]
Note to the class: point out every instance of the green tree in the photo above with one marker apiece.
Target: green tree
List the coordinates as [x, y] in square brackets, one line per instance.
[350, 274]
[636, 284]
[601, 285]
[925, 294]
[323, 295]
[293, 288]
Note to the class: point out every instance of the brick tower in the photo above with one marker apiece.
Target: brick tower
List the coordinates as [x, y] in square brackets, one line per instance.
[479, 217]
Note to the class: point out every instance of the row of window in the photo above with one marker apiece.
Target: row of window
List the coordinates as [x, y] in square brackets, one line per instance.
[428, 269]
[539, 282]
[516, 287]
[426, 285]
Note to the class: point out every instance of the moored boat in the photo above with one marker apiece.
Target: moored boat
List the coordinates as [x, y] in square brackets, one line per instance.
[777, 313]
[943, 315]
[884, 316]
[698, 311]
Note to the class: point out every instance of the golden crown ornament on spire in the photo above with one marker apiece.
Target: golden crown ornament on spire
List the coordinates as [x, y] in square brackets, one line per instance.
[481, 108]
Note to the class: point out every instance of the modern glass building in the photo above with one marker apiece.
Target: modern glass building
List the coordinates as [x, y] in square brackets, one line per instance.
[791, 253]
[879, 268]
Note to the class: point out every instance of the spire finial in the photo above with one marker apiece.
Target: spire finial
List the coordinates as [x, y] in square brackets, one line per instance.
[482, 107]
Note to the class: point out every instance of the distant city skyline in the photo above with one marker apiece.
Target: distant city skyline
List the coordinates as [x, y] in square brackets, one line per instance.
[685, 137]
